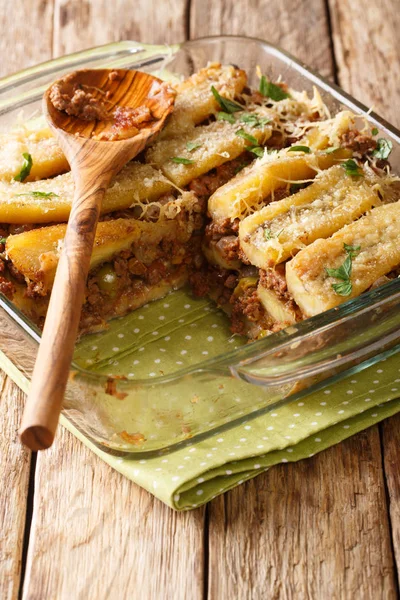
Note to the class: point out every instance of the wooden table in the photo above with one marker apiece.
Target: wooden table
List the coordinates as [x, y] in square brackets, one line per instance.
[328, 527]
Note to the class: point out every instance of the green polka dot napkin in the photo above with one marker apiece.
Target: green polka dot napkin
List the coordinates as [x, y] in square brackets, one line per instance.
[187, 330]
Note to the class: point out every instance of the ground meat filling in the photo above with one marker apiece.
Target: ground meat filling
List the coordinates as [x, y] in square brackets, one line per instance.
[129, 276]
[207, 184]
[275, 280]
[78, 102]
[6, 286]
[359, 143]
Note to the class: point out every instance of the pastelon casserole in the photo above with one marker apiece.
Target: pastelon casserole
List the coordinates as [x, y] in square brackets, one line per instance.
[258, 198]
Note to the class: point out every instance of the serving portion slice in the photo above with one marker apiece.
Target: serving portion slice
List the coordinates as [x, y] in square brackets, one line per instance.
[249, 190]
[50, 200]
[279, 230]
[30, 152]
[329, 272]
[195, 101]
[132, 262]
[204, 148]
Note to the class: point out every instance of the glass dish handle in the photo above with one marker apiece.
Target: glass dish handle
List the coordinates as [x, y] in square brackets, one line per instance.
[327, 347]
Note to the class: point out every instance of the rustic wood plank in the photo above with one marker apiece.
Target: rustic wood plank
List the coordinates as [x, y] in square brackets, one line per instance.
[94, 533]
[20, 43]
[298, 26]
[316, 529]
[367, 52]
[14, 474]
[27, 48]
[391, 453]
[365, 36]
[80, 24]
[97, 535]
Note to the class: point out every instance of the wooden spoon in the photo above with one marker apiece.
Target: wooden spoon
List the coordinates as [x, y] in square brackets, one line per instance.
[94, 160]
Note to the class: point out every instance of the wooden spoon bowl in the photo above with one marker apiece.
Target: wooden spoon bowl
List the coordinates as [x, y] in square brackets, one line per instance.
[114, 89]
[96, 149]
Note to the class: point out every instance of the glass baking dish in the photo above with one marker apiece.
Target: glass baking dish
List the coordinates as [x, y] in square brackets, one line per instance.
[219, 380]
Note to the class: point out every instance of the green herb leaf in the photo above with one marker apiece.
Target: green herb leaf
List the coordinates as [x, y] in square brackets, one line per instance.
[267, 234]
[192, 146]
[224, 116]
[254, 120]
[227, 105]
[182, 161]
[38, 194]
[383, 149]
[3, 240]
[352, 168]
[343, 272]
[271, 90]
[332, 149]
[250, 138]
[257, 150]
[263, 86]
[374, 131]
[343, 289]
[351, 251]
[304, 149]
[26, 167]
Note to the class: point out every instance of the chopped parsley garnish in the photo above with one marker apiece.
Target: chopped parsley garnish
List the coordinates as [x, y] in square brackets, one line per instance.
[39, 194]
[374, 131]
[332, 149]
[271, 90]
[383, 149]
[305, 149]
[3, 240]
[182, 161]
[257, 150]
[192, 146]
[26, 167]
[352, 168]
[268, 235]
[254, 120]
[249, 138]
[227, 105]
[351, 251]
[345, 287]
[224, 116]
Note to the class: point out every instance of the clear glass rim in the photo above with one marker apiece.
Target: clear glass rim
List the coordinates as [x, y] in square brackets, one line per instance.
[256, 349]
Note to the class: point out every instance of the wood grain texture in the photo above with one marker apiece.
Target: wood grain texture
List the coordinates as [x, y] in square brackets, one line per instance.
[316, 529]
[318, 525]
[365, 37]
[391, 452]
[93, 164]
[27, 49]
[14, 475]
[80, 24]
[97, 535]
[20, 44]
[298, 26]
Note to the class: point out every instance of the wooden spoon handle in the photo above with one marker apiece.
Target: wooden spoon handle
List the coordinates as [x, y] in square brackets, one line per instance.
[52, 367]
